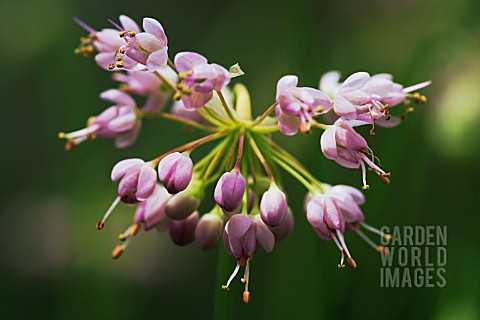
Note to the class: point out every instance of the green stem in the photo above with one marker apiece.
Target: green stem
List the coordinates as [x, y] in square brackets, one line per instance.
[295, 174]
[226, 107]
[286, 157]
[171, 65]
[264, 115]
[171, 86]
[173, 117]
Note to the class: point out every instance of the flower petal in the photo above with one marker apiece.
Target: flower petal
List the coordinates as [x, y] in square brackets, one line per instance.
[157, 60]
[185, 61]
[117, 96]
[121, 168]
[154, 27]
[129, 24]
[147, 181]
[284, 83]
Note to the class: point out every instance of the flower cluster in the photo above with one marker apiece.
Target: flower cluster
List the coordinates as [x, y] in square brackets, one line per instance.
[250, 208]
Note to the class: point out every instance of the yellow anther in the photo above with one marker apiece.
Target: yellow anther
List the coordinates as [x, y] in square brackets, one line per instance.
[122, 34]
[77, 51]
[62, 135]
[226, 288]
[177, 96]
[388, 237]
[352, 263]
[120, 64]
[119, 58]
[365, 187]
[121, 50]
[341, 266]
[132, 33]
[243, 280]
[122, 237]
[410, 110]
[320, 109]
[111, 66]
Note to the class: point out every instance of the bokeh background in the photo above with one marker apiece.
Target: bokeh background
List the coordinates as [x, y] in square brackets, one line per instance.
[54, 264]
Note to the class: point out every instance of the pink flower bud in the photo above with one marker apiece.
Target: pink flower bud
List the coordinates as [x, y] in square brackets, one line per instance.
[229, 190]
[273, 207]
[175, 171]
[182, 232]
[209, 230]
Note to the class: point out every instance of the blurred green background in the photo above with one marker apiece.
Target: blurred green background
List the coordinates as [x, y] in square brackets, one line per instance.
[56, 265]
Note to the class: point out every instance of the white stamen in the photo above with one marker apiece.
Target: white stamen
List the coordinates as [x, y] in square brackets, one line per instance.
[246, 275]
[372, 229]
[364, 173]
[85, 132]
[417, 86]
[342, 241]
[234, 274]
[371, 164]
[110, 210]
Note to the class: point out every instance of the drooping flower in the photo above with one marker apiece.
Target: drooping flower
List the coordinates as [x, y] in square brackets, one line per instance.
[297, 106]
[184, 203]
[119, 121]
[137, 180]
[341, 143]
[241, 236]
[175, 172]
[199, 79]
[148, 48]
[325, 216]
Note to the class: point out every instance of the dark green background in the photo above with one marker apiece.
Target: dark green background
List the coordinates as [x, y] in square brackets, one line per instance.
[54, 264]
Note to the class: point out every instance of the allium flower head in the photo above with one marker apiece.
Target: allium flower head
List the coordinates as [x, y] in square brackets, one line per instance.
[251, 213]
[297, 106]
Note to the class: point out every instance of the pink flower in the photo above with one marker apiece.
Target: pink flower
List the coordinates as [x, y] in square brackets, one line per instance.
[341, 143]
[229, 190]
[297, 106]
[119, 121]
[182, 232]
[137, 180]
[324, 213]
[273, 206]
[209, 230]
[199, 79]
[107, 43]
[241, 237]
[149, 48]
[368, 98]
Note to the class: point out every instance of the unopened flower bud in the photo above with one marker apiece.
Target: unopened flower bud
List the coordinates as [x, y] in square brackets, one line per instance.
[284, 228]
[182, 232]
[209, 230]
[229, 190]
[273, 207]
[175, 171]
